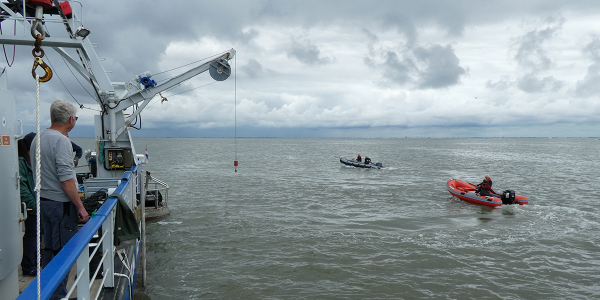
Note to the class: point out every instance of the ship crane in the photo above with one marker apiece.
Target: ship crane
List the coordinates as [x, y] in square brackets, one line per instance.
[115, 163]
[142, 89]
[111, 126]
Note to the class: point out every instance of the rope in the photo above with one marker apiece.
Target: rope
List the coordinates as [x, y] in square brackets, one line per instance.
[129, 268]
[206, 58]
[190, 89]
[67, 89]
[14, 46]
[83, 63]
[38, 178]
[169, 96]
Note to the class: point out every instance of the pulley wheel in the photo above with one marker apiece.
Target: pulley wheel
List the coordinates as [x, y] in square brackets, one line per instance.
[220, 70]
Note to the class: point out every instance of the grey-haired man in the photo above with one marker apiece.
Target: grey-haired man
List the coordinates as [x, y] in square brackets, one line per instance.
[61, 208]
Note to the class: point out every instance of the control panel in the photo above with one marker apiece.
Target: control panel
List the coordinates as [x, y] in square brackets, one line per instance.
[118, 158]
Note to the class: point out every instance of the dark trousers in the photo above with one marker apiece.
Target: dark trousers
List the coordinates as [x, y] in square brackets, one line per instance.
[59, 220]
[29, 261]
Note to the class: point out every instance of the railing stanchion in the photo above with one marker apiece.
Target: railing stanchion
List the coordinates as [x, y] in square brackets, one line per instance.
[83, 270]
[107, 246]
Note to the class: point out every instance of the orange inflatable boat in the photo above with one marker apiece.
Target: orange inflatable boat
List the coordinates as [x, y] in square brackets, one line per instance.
[466, 191]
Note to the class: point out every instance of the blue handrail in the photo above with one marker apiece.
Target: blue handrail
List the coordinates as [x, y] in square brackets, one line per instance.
[61, 264]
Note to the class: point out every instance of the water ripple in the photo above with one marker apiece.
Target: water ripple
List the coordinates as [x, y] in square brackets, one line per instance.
[295, 223]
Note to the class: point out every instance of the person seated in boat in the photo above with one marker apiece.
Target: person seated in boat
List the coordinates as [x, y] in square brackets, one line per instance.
[489, 180]
[359, 159]
[367, 160]
[485, 188]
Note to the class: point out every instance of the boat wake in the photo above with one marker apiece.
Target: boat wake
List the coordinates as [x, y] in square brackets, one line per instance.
[169, 223]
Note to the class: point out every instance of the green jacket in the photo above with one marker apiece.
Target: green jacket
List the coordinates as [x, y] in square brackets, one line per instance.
[126, 226]
[27, 185]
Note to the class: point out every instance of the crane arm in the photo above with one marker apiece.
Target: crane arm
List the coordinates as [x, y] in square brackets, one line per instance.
[219, 70]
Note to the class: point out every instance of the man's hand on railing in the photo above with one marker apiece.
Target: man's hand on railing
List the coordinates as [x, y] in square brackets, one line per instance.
[83, 215]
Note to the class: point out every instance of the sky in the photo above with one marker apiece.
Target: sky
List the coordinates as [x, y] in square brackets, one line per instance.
[341, 69]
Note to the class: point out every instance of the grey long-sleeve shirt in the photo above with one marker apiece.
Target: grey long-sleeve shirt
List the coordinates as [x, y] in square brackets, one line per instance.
[57, 164]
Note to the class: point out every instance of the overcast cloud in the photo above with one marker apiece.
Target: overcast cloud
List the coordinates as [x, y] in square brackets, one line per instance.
[343, 68]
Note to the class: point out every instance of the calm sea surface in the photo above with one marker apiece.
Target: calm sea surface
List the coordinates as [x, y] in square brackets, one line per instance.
[297, 224]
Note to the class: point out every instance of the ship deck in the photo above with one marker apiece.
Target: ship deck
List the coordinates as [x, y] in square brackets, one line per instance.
[24, 281]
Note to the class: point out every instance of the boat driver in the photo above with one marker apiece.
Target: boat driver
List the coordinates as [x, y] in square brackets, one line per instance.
[489, 180]
[485, 188]
[367, 160]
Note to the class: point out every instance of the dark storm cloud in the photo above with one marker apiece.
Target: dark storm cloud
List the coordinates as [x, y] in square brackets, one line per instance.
[589, 85]
[532, 57]
[531, 84]
[253, 69]
[307, 53]
[371, 36]
[530, 51]
[133, 34]
[425, 67]
[441, 68]
[394, 70]
[248, 37]
[500, 85]
[410, 49]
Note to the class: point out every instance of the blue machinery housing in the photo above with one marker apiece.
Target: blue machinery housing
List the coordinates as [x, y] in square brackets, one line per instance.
[77, 250]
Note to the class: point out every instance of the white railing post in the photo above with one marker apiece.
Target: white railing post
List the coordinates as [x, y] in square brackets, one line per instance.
[83, 270]
[108, 247]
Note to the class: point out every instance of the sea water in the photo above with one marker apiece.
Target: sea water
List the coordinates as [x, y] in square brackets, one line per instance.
[297, 224]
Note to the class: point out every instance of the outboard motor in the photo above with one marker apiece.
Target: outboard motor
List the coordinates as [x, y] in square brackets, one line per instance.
[508, 197]
[379, 165]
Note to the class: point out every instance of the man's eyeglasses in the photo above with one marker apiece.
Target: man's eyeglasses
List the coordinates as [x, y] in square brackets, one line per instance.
[75, 118]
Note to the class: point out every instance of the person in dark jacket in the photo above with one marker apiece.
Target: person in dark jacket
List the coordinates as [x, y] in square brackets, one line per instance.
[367, 160]
[78, 152]
[485, 188]
[29, 260]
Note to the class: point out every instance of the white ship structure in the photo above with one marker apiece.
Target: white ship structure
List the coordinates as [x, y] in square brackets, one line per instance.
[104, 267]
